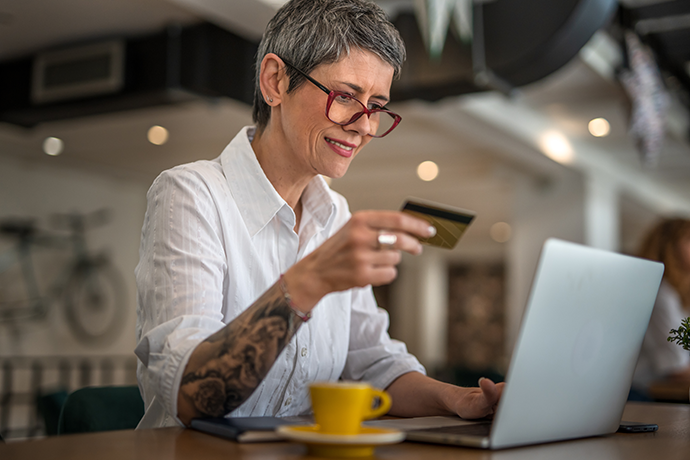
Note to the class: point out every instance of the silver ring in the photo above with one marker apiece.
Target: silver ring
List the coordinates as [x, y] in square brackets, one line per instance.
[386, 240]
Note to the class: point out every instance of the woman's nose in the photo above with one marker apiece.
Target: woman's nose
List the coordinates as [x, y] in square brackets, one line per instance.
[362, 125]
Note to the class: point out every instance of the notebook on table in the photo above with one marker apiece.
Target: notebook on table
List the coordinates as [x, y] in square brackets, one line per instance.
[244, 429]
[572, 364]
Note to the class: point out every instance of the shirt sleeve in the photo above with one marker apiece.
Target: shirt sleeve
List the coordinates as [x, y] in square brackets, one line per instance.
[667, 314]
[373, 356]
[179, 281]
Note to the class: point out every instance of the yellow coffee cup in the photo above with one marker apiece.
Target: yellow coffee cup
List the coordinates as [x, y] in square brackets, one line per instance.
[340, 407]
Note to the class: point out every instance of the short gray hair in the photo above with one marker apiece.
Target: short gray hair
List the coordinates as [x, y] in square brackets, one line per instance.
[308, 33]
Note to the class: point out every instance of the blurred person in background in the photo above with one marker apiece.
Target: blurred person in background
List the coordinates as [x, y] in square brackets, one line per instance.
[660, 360]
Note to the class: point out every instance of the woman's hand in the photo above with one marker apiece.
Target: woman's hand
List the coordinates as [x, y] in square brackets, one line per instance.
[416, 395]
[474, 402]
[353, 256]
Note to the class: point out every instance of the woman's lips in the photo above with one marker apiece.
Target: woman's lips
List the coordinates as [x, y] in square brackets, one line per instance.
[342, 148]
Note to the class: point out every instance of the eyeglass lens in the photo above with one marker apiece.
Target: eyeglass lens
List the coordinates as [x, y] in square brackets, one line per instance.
[345, 110]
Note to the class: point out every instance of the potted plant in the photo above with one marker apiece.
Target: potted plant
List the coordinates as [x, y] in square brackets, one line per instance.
[681, 336]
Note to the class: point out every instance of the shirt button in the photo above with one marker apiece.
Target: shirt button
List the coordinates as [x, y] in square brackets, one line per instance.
[304, 351]
[288, 401]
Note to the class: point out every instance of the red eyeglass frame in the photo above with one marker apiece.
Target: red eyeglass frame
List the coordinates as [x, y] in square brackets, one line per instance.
[332, 95]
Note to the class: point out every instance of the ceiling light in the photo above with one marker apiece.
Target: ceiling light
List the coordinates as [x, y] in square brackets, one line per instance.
[500, 232]
[158, 135]
[599, 127]
[427, 170]
[53, 146]
[557, 147]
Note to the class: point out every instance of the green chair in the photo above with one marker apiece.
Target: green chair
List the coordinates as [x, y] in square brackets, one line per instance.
[50, 405]
[101, 409]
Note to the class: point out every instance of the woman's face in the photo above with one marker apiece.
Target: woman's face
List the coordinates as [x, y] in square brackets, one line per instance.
[318, 145]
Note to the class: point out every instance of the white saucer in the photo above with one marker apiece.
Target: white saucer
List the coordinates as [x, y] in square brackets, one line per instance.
[338, 445]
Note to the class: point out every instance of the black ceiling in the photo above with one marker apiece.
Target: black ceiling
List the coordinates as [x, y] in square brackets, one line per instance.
[522, 42]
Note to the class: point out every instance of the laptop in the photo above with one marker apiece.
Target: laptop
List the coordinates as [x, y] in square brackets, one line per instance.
[573, 362]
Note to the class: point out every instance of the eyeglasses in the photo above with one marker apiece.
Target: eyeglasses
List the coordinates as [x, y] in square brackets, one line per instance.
[344, 109]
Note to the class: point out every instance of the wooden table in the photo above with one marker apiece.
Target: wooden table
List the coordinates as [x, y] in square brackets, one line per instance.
[671, 442]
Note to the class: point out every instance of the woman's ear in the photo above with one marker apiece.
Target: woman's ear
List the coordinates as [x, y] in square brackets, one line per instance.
[272, 79]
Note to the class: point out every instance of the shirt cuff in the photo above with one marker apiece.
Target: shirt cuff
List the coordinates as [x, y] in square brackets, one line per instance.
[171, 386]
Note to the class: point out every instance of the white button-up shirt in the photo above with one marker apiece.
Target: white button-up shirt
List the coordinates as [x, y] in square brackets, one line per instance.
[216, 236]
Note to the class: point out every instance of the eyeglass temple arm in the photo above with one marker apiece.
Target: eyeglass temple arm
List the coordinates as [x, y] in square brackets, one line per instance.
[318, 85]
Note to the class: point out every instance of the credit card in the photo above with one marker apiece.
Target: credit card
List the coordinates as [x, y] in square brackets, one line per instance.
[450, 222]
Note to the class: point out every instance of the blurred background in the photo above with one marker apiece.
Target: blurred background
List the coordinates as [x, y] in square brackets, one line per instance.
[565, 119]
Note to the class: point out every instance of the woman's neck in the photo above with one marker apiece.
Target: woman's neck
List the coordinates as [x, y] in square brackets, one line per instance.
[280, 169]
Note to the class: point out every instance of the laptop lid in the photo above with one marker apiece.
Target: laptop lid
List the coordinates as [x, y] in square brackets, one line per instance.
[573, 362]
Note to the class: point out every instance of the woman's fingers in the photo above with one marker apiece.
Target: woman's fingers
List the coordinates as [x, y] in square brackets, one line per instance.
[364, 251]
[385, 257]
[383, 274]
[396, 222]
[491, 391]
[388, 240]
[392, 230]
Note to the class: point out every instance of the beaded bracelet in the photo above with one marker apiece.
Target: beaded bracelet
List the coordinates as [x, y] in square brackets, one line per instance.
[283, 287]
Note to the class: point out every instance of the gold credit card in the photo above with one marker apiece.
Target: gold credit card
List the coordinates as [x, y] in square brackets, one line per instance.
[450, 222]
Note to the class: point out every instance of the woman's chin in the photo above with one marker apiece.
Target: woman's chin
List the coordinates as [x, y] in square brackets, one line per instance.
[330, 175]
[335, 171]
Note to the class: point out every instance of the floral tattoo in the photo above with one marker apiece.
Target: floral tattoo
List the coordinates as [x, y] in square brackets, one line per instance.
[227, 367]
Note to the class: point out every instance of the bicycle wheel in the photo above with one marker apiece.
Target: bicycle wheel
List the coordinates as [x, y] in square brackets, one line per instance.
[94, 301]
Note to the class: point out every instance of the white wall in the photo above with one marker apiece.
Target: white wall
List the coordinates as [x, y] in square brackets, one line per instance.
[419, 300]
[542, 210]
[39, 188]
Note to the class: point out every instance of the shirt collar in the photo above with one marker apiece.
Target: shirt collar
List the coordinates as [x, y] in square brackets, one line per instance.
[256, 198]
[318, 200]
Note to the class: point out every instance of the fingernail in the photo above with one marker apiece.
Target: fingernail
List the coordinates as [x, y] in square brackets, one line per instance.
[431, 231]
[480, 381]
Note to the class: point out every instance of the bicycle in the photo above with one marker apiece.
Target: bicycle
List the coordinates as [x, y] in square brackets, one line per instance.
[91, 290]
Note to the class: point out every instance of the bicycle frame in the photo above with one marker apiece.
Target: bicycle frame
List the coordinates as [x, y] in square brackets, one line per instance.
[89, 286]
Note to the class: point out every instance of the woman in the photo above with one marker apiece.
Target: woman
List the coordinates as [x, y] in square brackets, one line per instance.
[254, 279]
[667, 242]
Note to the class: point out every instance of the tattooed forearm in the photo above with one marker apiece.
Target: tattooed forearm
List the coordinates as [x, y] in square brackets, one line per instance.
[225, 369]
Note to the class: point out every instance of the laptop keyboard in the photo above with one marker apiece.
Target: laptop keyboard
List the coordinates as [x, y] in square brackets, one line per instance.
[476, 429]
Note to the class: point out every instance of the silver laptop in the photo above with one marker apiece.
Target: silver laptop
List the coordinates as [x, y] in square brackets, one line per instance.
[572, 365]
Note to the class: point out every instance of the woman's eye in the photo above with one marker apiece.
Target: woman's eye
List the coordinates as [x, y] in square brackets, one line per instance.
[342, 98]
[373, 106]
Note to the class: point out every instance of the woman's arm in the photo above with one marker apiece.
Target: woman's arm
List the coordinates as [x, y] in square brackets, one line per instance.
[415, 395]
[224, 370]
